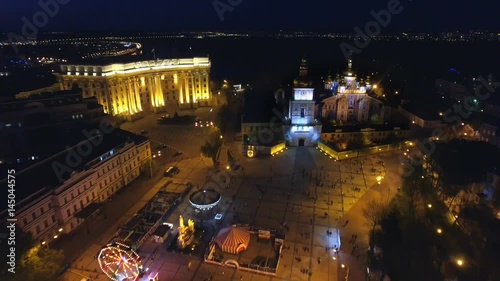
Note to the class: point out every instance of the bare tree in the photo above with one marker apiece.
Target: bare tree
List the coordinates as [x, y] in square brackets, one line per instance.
[374, 212]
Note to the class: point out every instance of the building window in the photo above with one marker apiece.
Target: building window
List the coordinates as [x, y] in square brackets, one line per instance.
[53, 218]
[25, 221]
[37, 229]
[45, 223]
[302, 112]
[33, 216]
[68, 212]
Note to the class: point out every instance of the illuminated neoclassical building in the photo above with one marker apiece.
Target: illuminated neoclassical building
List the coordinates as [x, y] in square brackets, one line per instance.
[350, 100]
[148, 86]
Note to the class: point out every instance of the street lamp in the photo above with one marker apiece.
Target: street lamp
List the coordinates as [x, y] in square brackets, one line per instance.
[347, 273]
[439, 231]
[460, 262]
[429, 206]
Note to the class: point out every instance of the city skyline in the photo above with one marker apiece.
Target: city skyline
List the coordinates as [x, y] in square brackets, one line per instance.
[247, 16]
[249, 140]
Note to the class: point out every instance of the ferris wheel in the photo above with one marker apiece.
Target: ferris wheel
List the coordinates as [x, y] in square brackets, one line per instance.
[119, 262]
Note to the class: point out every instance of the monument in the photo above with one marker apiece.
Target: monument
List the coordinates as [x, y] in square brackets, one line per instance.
[186, 233]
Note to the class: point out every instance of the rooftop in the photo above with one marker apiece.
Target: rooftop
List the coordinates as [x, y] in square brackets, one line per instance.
[427, 111]
[328, 128]
[55, 99]
[466, 161]
[101, 68]
[44, 174]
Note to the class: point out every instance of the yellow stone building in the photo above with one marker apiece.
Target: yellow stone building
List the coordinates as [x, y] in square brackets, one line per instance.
[131, 89]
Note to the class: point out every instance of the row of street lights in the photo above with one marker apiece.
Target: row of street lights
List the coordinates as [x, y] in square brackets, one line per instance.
[460, 262]
[55, 237]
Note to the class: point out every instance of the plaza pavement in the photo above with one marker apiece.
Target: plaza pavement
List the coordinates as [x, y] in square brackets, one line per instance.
[301, 187]
[185, 138]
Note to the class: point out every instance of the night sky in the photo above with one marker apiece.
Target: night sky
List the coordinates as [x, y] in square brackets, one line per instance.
[252, 15]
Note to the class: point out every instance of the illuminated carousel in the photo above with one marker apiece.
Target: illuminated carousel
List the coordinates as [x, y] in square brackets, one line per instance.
[121, 263]
[204, 200]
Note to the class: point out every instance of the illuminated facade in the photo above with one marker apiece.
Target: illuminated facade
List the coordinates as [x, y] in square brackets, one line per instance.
[303, 130]
[50, 212]
[351, 101]
[148, 86]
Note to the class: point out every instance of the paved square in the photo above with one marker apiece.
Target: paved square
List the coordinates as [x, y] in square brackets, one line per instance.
[300, 191]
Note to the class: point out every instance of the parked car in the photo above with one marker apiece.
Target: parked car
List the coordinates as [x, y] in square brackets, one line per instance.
[171, 171]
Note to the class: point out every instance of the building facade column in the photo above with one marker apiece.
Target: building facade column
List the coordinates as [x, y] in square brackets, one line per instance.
[186, 88]
[128, 93]
[193, 90]
[107, 97]
[137, 95]
[181, 91]
[159, 90]
[151, 90]
[206, 76]
[199, 85]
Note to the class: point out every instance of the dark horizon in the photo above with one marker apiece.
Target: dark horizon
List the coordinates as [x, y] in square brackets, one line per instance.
[237, 31]
[251, 16]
